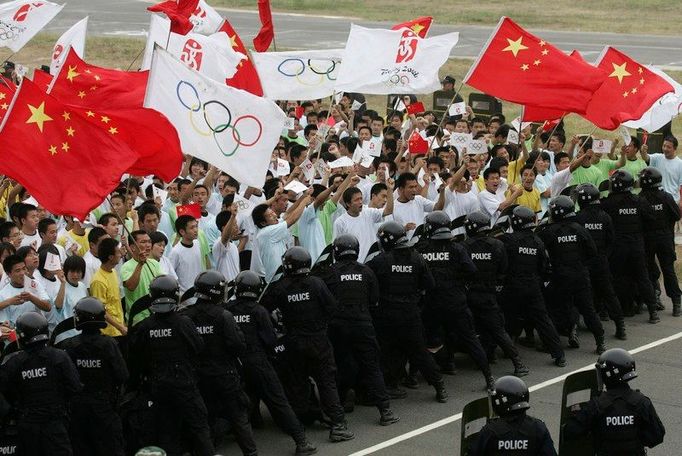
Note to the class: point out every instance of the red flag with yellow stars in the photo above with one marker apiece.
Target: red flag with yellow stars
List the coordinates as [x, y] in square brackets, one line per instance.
[193, 209]
[628, 92]
[65, 162]
[42, 78]
[419, 26]
[246, 77]
[7, 90]
[520, 67]
[79, 83]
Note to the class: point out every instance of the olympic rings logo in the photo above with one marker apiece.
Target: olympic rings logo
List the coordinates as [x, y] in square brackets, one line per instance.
[208, 125]
[396, 80]
[313, 73]
[9, 32]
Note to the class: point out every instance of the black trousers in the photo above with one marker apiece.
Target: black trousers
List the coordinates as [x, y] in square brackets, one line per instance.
[567, 294]
[44, 438]
[663, 249]
[180, 411]
[313, 357]
[525, 302]
[357, 355]
[602, 288]
[263, 384]
[489, 321]
[96, 428]
[630, 274]
[224, 398]
[400, 341]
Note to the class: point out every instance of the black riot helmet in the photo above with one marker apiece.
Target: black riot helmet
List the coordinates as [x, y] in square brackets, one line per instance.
[89, 314]
[32, 329]
[437, 226]
[477, 223]
[391, 236]
[587, 194]
[650, 178]
[210, 286]
[346, 246]
[510, 394]
[296, 261]
[561, 207]
[522, 218]
[165, 293]
[616, 366]
[248, 284]
[621, 181]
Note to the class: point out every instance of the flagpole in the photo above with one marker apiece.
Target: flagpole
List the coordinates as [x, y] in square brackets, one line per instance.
[137, 57]
[442, 121]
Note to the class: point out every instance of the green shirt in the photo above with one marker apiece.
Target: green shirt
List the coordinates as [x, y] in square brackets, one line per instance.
[583, 175]
[149, 271]
[605, 166]
[326, 219]
[634, 167]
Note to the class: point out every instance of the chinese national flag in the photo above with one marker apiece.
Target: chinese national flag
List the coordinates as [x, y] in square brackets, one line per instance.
[42, 79]
[416, 108]
[418, 145]
[64, 161]
[193, 209]
[628, 92]
[6, 94]
[419, 26]
[522, 68]
[178, 12]
[79, 83]
[261, 42]
[246, 77]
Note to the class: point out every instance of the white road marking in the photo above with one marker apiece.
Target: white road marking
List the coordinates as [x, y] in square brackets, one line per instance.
[458, 416]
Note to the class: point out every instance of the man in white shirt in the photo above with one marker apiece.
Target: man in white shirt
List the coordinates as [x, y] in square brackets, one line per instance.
[28, 221]
[457, 198]
[670, 166]
[493, 201]
[22, 294]
[411, 207]
[187, 256]
[565, 168]
[359, 220]
[225, 252]
[92, 262]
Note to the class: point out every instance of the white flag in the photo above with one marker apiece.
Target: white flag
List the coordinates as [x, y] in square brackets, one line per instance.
[386, 62]
[212, 55]
[298, 75]
[227, 127]
[159, 28]
[663, 110]
[74, 38]
[20, 20]
[205, 19]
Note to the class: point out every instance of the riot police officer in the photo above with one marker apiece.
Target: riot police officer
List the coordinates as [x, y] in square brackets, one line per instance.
[570, 246]
[630, 214]
[96, 427]
[622, 421]
[39, 381]
[598, 223]
[490, 258]
[259, 375]
[306, 306]
[351, 333]
[514, 432]
[445, 305]
[659, 237]
[166, 347]
[522, 293]
[403, 275]
[219, 381]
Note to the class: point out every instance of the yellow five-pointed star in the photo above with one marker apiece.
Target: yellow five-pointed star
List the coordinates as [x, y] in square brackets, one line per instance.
[524, 67]
[81, 94]
[640, 70]
[113, 130]
[70, 131]
[53, 150]
[542, 43]
[233, 41]
[416, 28]
[545, 51]
[634, 90]
[2, 96]
[4, 106]
[88, 71]
[537, 62]
[625, 94]
[641, 81]
[65, 146]
[97, 78]
[619, 71]
[105, 119]
[66, 116]
[38, 116]
[515, 46]
[90, 114]
[72, 74]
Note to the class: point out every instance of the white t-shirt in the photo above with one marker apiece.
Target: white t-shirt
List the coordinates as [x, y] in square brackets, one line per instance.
[542, 183]
[188, 263]
[208, 226]
[459, 204]
[29, 240]
[71, 296]
[560, 181]
[671, 170]
[272, 242]
[226, 259]
[412, 211]
[490, 202]
[166, 267]
[13, 312]
[52, 289]
[365, 185]
[92, 264]
[362, 227]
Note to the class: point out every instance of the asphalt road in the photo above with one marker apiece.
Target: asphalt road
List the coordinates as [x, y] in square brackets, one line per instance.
[295, 31]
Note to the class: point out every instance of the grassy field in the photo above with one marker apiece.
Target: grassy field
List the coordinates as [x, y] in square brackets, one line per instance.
[658, 17]
[122, 52]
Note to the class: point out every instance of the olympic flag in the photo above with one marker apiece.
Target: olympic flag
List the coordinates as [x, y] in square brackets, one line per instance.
[227, 127]
[74, 38]
[384, 62]
[20, 20]
[298, 75]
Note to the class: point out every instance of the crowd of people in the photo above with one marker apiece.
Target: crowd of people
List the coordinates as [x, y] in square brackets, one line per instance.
[335, 283]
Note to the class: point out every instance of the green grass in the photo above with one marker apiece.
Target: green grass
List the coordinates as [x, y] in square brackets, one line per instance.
[658, 17]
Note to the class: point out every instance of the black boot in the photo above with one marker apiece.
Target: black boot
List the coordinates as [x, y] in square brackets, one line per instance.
[560, 361]
[620, 330]
[349, 401]
[573, 340]
[303, 447]
[441, 394]
[387, 417]
[520, 369]
[659, 304]
[490, 383]
[676, 306]
[601, 345]
[653, 316]
[396, 392]
[340, 433]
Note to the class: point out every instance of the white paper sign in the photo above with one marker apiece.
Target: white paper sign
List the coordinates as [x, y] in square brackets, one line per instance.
[517, 125]
[289, 124]
[477, 146]
[159, 193]
[31, 200]
[356, 105]
[625, 134]
[512, 137]
[52, 262]
[457, 109]
[342, 162]
[460, 140]
[373, 146]
[308, 169]
[283, 167]
[602, 146]
[296, 187]
[68, 243]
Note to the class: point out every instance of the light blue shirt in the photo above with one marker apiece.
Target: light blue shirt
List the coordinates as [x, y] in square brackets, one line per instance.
[208, 226]
[311, 233]
[71, 296]
[273, 241]
[671, 170]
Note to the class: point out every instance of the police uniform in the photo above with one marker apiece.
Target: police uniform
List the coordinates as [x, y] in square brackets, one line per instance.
[514, 435]
[39, 381]
[95, 424]
[522, 293]
[167, 346]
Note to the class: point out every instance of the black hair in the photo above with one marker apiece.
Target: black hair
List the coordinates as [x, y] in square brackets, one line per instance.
[74, 263]
[106, 249]
[378, 188]
[42, 255]
[44, 224]
[258, 215]
[349, 193]
[404, 178]
[222, 219]
[132, 237]
[24, 209]
[11, 261]
[182, 221]
[158, 236]
[96, 234]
